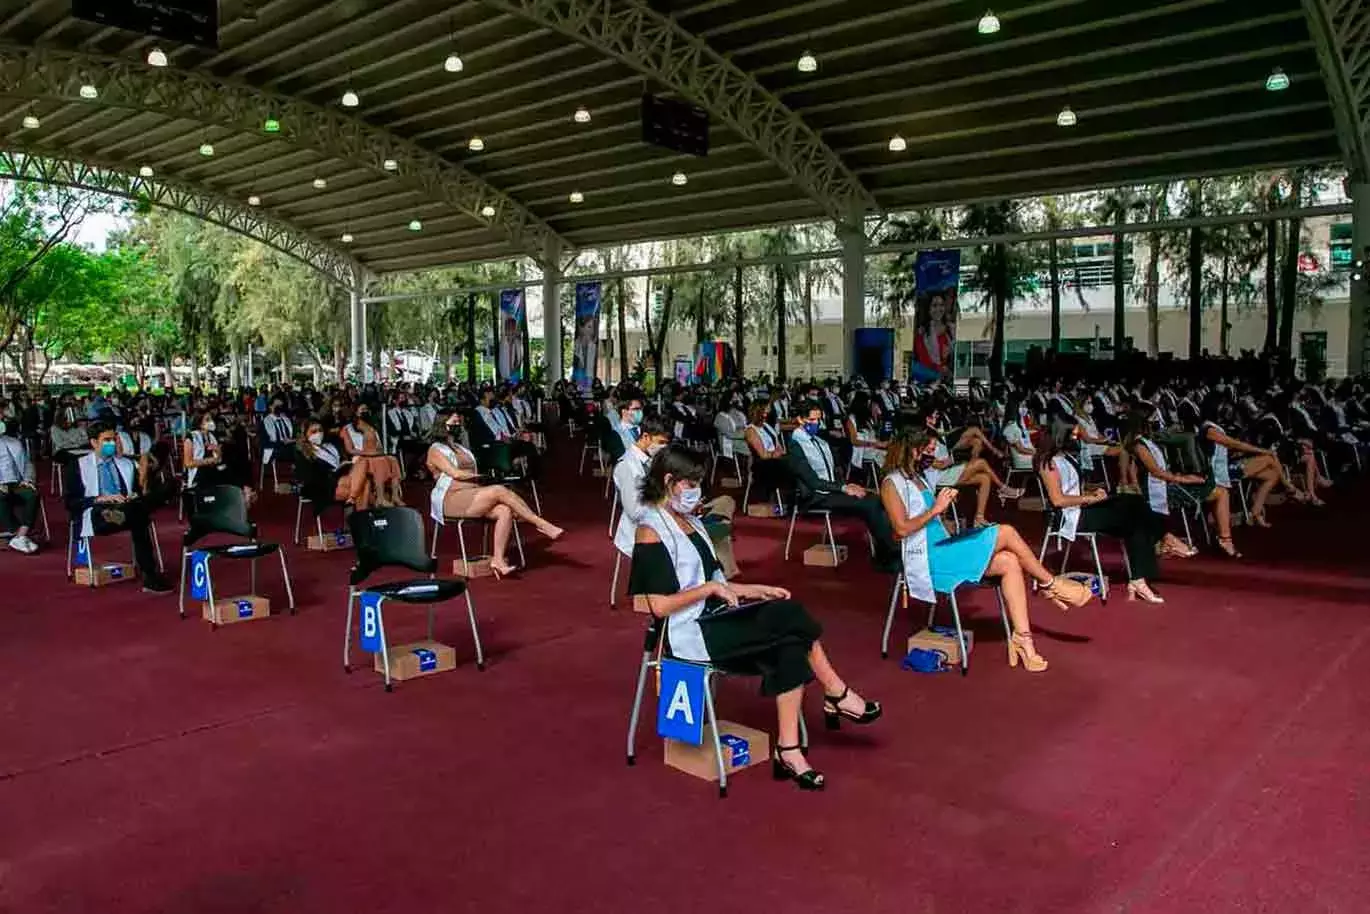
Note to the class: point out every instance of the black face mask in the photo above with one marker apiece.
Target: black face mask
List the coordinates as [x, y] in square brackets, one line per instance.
[363, 416]
[926, 460]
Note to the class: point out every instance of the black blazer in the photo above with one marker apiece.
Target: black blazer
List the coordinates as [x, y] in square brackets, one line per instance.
[809, 484]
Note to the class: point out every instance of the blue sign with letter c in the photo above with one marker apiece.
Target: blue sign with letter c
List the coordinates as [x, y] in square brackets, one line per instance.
[199, 575]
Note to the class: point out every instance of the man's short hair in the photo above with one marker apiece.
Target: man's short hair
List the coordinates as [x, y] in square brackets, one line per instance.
[809, 406]
[655, 427]
[95, 429]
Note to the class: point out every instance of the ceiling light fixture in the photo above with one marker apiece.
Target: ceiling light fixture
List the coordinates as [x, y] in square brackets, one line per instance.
[582, 115]
[390, 165]
[1277, 81]
[476, 144]
[1066, 118]
[89, 92]
[206, 149]
[320, 183]
[577, 197]
[679, 179]
[453, 63]
[350, 99]
[254, 200]
[31, 122]
[271, 125]
[145, 171]
[346, 237]
[156, 58]
[897, 143]
[487, 211]
[808, 63]
[415, 225]
[989, 23]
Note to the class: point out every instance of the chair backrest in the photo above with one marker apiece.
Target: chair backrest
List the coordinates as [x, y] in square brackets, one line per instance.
[389, 537]
[218, 509]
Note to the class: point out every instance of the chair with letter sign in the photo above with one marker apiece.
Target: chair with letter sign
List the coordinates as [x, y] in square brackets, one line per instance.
[393, 537]
[901, 589]
[223, 510]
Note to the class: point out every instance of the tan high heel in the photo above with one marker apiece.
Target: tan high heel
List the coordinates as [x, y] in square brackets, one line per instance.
[1142, 591]
[1020, 648]
[1066, 593]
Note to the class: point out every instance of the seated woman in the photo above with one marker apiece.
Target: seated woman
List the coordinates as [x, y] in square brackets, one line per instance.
[1150, 460]
[376, 475]
[936, 563]
[202, 456]
[749, 629]
[458, 492]
[1262, 466]
[767, 447]
[324, 475]
[862, 426]
[1125, 516]
[946, 473]
[1016, 436]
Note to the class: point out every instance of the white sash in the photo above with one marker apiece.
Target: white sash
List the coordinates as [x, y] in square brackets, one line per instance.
[90, 481]
[1155, 488]
[1088, 451]
[769, 439]
[1221, 471]
[860, 455]
[634, 463]
[444, 482]
[917, 568]
[358, 438]
[199, 442]
[1070, 485]
[682, 627]
[815, 450]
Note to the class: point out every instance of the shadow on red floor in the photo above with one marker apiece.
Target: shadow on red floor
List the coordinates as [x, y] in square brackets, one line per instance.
[1202, 756]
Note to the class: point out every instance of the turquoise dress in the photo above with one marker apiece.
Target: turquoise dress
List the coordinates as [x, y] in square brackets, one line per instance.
[963, 560]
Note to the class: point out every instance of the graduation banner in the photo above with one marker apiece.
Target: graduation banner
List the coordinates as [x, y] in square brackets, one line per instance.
[935, 310]
[511, 334]
[585, 348]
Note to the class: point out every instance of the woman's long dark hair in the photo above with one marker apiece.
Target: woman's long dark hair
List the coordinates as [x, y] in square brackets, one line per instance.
[675, 461]
[1061, 440]
[908, 443]
[860, 410]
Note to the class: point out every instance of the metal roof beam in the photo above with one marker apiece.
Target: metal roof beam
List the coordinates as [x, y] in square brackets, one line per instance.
[631, 32]
[1341, 33]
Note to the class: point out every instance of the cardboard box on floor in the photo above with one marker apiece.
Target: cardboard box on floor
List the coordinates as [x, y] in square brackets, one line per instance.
[1030, 503]
[743, 747]
[422, 658]
[285, 488]
[330, 542]
[731, 482]
[475, 568]
[236, 609]
[764, 510]
[107, 573]
[821, 555]
[944, 640]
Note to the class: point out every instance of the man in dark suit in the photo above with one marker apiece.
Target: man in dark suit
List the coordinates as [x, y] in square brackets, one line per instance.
[811, 461]
[104, 495]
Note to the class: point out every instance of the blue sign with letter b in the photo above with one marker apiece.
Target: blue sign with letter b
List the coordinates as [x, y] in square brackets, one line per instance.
[199, 575]
[680, 706]
[371, 622]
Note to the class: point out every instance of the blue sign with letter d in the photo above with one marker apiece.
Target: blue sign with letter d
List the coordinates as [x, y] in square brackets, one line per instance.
[680, 707]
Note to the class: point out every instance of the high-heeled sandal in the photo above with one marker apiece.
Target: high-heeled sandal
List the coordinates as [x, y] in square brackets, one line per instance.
[782, 770]
[834, 713]
[1020, 647]
[1067, 594]
[1143, 592]
[1177, 552]
[1228, 547]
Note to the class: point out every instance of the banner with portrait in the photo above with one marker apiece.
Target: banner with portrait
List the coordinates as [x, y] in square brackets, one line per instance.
[935, 311]
[585, 348]
[510, 351]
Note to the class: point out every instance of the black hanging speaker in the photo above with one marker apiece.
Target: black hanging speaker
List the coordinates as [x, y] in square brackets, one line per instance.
[189, 21]
[675, 125]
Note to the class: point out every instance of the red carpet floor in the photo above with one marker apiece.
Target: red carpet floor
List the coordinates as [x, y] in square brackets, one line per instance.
[1207, 755]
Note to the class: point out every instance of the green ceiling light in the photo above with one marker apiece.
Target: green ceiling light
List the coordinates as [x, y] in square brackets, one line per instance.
[89, 92]
[206, 149]
[271, 125]
[1277, 81]
[989, 23]
[415, 225]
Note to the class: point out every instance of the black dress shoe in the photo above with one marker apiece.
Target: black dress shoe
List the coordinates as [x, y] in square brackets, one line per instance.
[157, 584]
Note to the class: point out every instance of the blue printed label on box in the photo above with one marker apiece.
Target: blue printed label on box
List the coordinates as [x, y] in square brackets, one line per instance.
[428, 660]
[739, 747]
[115, 571]
[244, 609]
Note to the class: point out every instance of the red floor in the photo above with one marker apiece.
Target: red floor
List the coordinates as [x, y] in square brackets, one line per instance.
[1206, 755]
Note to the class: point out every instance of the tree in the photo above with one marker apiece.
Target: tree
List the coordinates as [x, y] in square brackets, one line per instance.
[1003, 273]
[897, 275]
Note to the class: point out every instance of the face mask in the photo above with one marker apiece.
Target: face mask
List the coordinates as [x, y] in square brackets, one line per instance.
[108, 449]
[210, 426]
[654, 449]
[361, 417]
[316, 438]
[636, 417]
[452, 429]
[2, 426]
[686, 500]
[812, 428]
[1089, 408]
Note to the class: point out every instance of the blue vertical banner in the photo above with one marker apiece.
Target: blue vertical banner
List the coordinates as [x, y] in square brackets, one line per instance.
[510, 350]
[935, 312]
[585, 349]
[873, 354]
[680, 706]
[371, 622]
[199, 575]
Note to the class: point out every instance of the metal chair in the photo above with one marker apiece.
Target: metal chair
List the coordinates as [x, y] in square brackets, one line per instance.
[901, 589]
[652, 650]
[42, 518]
[1055, 518]
[485, 523]
[825, 513]
[74, 536]
[393, 537]
[1186, 504]
[223, 510]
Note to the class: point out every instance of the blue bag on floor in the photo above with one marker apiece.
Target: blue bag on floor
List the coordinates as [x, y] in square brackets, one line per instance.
[921, 660]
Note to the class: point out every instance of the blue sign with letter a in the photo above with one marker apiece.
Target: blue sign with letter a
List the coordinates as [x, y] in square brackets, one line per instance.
[199, 575]
[680, 707]
[371, 622]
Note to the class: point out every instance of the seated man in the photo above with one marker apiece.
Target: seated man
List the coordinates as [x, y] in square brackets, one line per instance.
[104, 496]
[497, 427]
[18, 493]
[811, 461]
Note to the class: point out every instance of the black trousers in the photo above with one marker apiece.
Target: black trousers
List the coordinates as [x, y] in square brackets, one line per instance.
[768, 475]
[872, 514]
[771, 640]
[1129, 518]
[18, 508]
[529, 451]
[131, 517]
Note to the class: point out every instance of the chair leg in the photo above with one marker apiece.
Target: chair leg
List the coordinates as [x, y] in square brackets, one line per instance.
[475, 630]
[518, 541]
[433, 552]
[960, 633]
[613, 584]
[637, 706]
[794, 515]
[385, 647]
[711, 720]
[285, 576]
[1003, 615]
[347, 631]
[747, 493]
[299, 516]
[461, 541]
[157, 545]
[181, 596]
[832, 540]
[889, 616]
[1099, 569]
[91, 564]
[537, 500]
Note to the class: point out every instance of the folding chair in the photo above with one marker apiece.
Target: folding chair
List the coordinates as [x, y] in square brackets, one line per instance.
[747, 491]
[486, 523]
[74, 536]
[653, 648]
[829, 539]
[901, 589]
[42, 519]
[1186, 504]
[300, 501]
[393, 537]
[1055, 518]
[223, 510]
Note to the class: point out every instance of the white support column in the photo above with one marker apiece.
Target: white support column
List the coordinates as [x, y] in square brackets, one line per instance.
[551, 310]
[853, 291]
[358, 313]
[1358, 337]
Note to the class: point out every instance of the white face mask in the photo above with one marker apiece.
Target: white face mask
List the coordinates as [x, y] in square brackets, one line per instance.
[210, 426]
[654, 449]
[316, 438]
[686, 500]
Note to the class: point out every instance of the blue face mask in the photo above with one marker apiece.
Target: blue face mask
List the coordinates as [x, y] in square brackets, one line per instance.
[813, 428]
[108, 449]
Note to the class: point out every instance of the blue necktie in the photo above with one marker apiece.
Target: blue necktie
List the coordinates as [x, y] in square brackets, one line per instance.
[109, 482]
